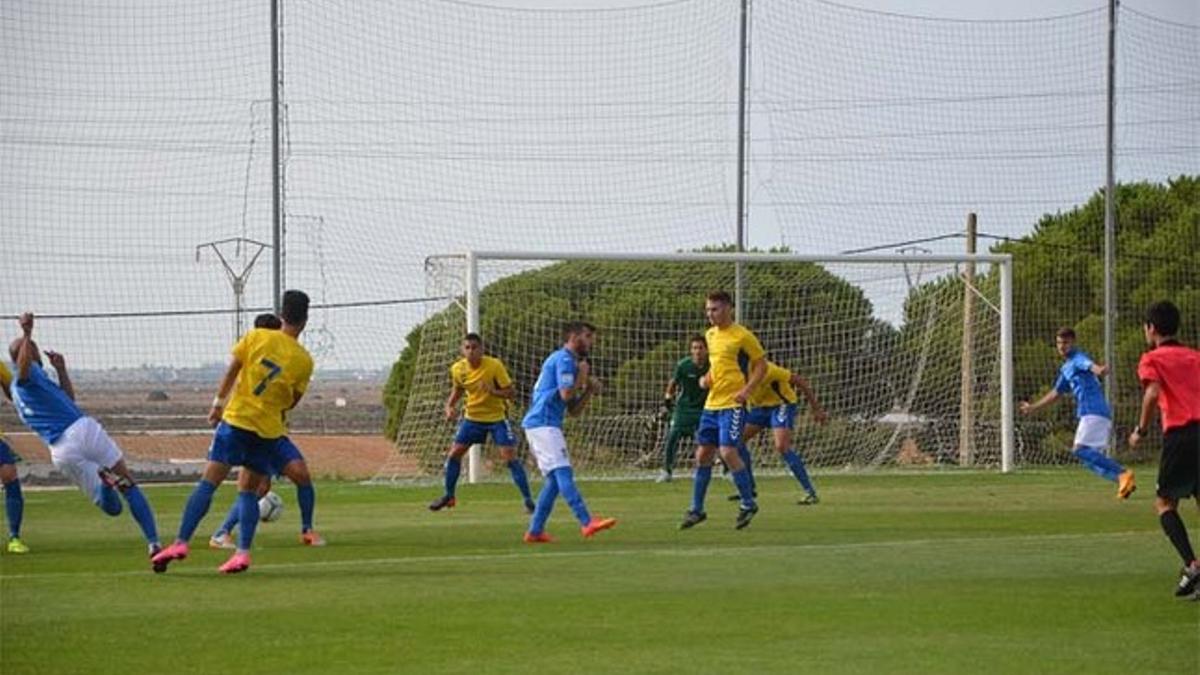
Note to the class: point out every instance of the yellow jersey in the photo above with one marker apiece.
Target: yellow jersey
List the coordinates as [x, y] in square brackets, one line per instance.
[481, 405]
[775, 388]
[731, 350]
[275, 369]
[5, 381]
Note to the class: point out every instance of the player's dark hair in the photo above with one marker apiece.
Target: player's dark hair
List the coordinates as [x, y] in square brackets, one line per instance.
[268, 320]
[473, 337]
[576, 327]
[1164, 316]
[1065, 333]
[698, 338]
[719, 296]
[295, 307]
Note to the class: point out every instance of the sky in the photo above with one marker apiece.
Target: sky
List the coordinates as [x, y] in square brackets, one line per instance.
[133, 135]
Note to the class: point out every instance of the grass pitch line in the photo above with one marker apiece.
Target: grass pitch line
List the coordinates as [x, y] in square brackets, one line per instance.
[691, 551]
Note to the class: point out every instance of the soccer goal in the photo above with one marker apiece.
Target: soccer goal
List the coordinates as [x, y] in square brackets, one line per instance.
[911, 355]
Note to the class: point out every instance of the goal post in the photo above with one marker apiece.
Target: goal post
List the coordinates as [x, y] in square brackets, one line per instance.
[879, 336]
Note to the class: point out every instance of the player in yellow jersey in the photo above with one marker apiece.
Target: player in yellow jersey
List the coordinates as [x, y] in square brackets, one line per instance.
[737, 363]
[773, 406]
[14, 501]
[268, 374]
[488, 389]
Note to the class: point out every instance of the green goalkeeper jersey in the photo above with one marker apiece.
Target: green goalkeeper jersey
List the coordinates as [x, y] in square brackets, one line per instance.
[691, 396]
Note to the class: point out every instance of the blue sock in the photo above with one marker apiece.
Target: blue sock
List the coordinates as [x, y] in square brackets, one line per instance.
[1105, 467]
[139, 508]
[545, 504]
[109, 501]
[231, 520]
[453, 468]
[565, 478]
[14, 507]
[306, 496]
[518, 475]
[700, 487]
[748, 462]
[741, 479]
[195, 509]
[247, 503]
[796, 464]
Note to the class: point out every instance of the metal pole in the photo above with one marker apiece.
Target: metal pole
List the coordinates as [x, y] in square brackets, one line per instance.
[276, 177]
[475, 454]
[966, 415]
[743, 67]
[1007, 395]
[1110, 218]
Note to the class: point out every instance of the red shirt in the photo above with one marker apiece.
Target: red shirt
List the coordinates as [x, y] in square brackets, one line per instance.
[1176, 369]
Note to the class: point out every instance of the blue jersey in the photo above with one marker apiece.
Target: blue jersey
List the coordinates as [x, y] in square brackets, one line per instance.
[1076, 376]
[42, 405]
[547, 407]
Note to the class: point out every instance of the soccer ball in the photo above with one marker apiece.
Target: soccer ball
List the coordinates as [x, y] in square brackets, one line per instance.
[270, 507]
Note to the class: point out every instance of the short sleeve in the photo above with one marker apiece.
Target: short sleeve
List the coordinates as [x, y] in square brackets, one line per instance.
[564, 372]
[306, 371]
[454, 377]
[241, 351]
[752, 347]
[5, 376]
[1083, 362]
[502, 378]
[1062, 385]
[1146, 370]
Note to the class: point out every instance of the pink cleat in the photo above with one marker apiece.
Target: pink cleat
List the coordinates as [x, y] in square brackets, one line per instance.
[311, 538]
[597, 525]
[176, 551]
[240, 562]
[539, 538]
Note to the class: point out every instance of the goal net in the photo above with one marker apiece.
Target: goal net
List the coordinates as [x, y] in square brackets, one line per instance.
[904, 352]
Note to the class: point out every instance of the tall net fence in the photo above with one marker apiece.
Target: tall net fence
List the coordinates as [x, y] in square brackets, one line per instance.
[882, 345]
[136, 170]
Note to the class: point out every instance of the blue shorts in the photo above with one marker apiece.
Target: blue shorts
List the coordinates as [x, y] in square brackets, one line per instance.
[7, 456]
[775, 417]
[721, 427]
[470, 433]
[239, 447]
[284, 453]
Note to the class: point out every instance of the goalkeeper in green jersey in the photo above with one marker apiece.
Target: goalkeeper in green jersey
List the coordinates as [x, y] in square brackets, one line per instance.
[684, 411]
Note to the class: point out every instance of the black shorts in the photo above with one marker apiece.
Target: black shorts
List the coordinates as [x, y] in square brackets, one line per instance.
[1179, 468]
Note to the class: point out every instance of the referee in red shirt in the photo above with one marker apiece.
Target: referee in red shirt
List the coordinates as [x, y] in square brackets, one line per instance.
[1170, 373]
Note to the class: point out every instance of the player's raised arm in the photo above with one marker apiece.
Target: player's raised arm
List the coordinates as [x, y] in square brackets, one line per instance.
[64, 379]
[578, 395]
[22, 350]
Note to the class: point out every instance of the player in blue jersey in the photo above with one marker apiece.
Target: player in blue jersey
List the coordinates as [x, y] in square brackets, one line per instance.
[286, 460]
[1080, 376]
[14, 500]
[79, 447]
[564, 387]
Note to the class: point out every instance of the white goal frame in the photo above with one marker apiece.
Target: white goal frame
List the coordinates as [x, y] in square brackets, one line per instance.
[1003, 261]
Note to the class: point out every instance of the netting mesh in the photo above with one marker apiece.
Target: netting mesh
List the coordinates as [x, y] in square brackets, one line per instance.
[880, 343]
[134, 133]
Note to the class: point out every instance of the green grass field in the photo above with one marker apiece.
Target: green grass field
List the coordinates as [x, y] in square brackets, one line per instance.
[890, 573]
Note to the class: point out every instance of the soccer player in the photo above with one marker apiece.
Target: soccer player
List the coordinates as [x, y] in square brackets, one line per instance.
[1170, 372]
[488, 388]
[1081, 376]
[773, 406]
[685, 410]
[286, 460]
[737, 365]
[79, 447]
[14, 501]
[564, 386]
[268, 374]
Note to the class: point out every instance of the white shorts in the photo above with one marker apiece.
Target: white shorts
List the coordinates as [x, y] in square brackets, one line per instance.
[549, 448]
[1093, 432]
[80, 453]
